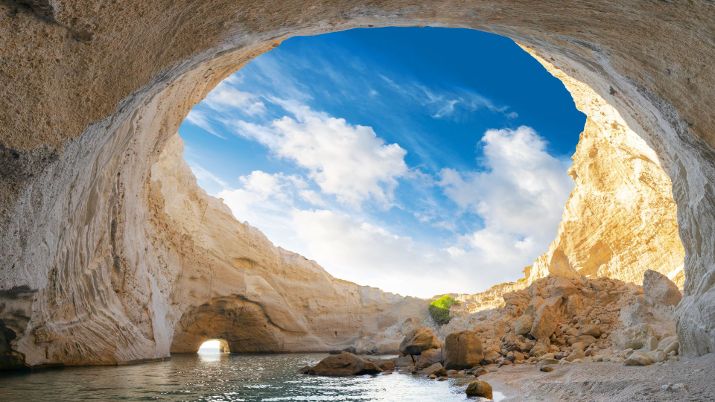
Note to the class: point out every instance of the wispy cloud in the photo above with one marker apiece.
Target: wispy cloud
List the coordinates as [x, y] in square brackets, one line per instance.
[348, 161]
[200, 119]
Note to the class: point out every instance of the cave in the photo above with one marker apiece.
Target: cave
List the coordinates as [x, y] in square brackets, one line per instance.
[98, 211]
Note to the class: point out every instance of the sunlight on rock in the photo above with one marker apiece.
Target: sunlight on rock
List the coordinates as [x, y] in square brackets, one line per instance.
[214, 347]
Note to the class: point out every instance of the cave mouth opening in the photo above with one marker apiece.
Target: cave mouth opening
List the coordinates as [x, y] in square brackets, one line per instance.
[214, 347]
[385, 150]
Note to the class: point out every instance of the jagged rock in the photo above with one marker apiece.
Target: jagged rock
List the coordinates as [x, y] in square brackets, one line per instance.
[669, 344]
[435, 369]
[462, 350]
[479, 388]
[547, 318]
[658, 289]
[419, 340]
[428, 358]
[342, 365]
[638, 358]
[539, 349]
[522, 325]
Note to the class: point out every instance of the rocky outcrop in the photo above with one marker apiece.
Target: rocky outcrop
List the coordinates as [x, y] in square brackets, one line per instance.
[620, 219]
[258, 297]
[202, 275]
[343, 365]
[92, 95]
[574, 319]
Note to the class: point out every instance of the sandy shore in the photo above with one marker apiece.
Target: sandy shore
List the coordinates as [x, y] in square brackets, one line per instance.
[685, 380]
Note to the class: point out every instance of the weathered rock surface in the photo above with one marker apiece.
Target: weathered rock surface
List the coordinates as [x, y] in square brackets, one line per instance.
[343, 365]
[435, 369]
[659, 290]
[419, 340]
[462, 350]
[428, 357]
[92, 95]
[620, 219]
[480, 388]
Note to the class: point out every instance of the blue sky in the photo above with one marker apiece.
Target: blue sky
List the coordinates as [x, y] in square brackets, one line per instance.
[417, 160]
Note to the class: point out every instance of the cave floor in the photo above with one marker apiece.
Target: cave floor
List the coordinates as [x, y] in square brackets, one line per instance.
[686, 380]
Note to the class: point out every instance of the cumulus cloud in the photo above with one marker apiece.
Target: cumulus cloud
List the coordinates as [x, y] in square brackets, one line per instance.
[348, 161]
[520, 196]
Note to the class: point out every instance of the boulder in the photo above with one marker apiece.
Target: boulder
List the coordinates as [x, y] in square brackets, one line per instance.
[384, 364]
[638, 358]
[634, 337]
[577, 354]
[523, 324]
[658, 289]
[428, 358]
[592, 330]
[547, 318]
[342, 365]
[539, 349]
[479, 388]
[669, 344]
[419, 340]
[462, 350]
[436, 369]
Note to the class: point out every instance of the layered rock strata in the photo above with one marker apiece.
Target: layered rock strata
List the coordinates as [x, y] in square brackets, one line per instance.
[91, 93]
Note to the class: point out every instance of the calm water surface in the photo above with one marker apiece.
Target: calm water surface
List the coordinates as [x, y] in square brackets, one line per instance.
[221, 378]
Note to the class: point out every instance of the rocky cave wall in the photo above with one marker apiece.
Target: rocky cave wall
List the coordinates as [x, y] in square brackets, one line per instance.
[92, 93]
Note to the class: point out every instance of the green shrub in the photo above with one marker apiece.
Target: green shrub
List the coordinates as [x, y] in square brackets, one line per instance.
[439, 309]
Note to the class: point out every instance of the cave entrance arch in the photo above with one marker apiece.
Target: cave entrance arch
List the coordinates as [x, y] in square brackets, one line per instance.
[78, 160]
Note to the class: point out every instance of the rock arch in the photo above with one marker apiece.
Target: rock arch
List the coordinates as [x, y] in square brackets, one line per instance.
[92, 94]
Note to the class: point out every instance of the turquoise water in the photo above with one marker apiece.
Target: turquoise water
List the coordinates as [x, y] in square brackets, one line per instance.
[221, 378]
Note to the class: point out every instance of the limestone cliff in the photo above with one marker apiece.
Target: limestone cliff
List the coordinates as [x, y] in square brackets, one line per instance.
[234, 284]
[620, 219]
[91, 95]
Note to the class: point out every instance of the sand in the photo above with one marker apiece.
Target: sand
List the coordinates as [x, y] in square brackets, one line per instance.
[686, 380]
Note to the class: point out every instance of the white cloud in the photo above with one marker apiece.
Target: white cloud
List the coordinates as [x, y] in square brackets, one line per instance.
[520, 196]
[348, 161]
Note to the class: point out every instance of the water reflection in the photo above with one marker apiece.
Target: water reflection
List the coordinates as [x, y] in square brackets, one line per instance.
[222, 377]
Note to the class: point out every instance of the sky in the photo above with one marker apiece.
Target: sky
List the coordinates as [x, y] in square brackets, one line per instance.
[421, 161]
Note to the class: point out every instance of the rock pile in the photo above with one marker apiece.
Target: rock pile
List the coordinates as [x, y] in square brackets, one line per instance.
[575, 319]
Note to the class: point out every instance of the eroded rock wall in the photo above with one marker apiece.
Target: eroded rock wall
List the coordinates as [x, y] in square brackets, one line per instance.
[620, 219]
[91, 92]
[233, 283]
